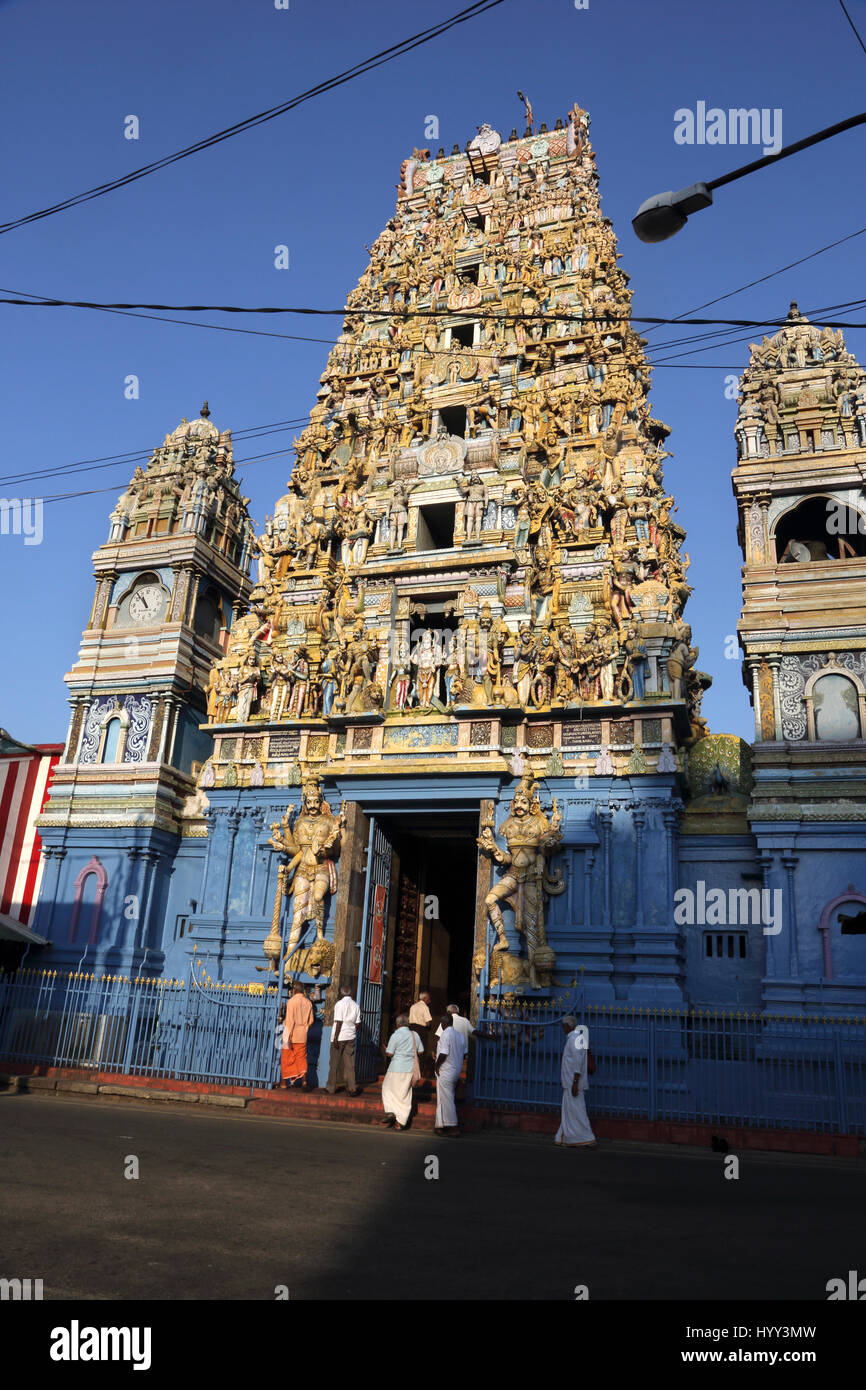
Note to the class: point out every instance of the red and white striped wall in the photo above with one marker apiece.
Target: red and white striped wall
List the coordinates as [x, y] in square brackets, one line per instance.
[25, 775]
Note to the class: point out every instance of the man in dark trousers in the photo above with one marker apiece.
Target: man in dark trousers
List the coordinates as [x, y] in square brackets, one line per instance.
[347, 1016]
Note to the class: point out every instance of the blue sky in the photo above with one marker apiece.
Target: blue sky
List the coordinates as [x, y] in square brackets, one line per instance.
[322, 181]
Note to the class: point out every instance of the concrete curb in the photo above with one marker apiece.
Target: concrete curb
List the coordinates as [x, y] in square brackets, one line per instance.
[274, 1104]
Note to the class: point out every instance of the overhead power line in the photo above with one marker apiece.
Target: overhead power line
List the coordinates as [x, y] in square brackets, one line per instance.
[709, 342]
[385, 55]
[94, 465]
[401, 312]
[762, 279]
[853, 26]
[121, 483]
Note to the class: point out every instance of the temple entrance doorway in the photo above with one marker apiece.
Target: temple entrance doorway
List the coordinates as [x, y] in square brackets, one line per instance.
[434, 893]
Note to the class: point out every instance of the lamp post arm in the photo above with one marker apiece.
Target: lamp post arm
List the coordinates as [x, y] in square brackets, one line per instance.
[789, 149]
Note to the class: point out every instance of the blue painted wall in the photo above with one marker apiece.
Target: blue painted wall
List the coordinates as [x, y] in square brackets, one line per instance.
[622, 862]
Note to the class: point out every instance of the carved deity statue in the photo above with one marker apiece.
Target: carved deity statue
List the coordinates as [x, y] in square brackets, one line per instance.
[474, 493]
[314, 844]
[530, 837]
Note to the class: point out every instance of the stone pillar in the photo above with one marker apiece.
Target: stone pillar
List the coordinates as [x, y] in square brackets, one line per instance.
[605, 820]
[638, 815]
[99, 611]
[172, 715]
[119, 954]
[233, 820]
[349, 905]
[774, 662]
[484, 880]
[177, 606]
[765, 864]
[73, 736]
[751, 666]
[763, 499]
[48, 890]
[196, 576]
[671, 819]
[588, 863]
[789, 864]
[656, 961]
[219, 840]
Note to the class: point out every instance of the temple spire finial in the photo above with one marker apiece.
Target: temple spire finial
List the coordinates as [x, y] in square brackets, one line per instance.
[529, 117]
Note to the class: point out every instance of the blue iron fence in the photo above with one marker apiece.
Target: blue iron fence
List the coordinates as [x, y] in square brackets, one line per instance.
[794, 1072]
[193, 1029]
[770, 1071]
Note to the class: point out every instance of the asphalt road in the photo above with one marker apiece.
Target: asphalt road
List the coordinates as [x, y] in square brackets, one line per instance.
[230, 1207]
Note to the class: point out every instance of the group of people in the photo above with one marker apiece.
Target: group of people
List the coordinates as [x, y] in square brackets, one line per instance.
[416, 1053]
[297, 1020]
[409, 1048]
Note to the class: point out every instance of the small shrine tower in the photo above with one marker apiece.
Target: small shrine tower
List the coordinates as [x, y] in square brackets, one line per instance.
[799, 484]
[169, 580]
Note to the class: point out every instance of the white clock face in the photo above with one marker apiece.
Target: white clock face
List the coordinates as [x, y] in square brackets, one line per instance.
[147, 604]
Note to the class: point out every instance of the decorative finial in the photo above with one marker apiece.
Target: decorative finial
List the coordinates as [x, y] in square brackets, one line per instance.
[205, 411]
[527, 103]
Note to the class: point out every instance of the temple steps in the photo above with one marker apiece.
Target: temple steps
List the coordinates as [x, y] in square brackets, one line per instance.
[318, 1105]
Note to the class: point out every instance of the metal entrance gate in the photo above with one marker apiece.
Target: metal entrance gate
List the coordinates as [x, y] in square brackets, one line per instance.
[374, 948]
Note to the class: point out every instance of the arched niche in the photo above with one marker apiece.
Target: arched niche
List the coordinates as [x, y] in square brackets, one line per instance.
[857, 901]
[819, 527]
[93, 868]
[835, 701]
[209, 618]
[111, 741]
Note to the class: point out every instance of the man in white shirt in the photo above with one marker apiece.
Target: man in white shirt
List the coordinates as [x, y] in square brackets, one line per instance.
[420, 1019]
[419, 1014]
[459, 1022]
[347, 1016]
[449, 1061]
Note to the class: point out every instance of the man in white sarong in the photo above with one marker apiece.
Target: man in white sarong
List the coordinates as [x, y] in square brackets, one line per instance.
[575, 1131]
[402, 1047]
[449, 1060]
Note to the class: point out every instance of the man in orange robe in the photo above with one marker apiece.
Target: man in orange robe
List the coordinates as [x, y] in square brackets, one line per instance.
[293, 1058]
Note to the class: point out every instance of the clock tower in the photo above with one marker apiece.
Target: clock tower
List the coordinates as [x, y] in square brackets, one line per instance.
[170, 579]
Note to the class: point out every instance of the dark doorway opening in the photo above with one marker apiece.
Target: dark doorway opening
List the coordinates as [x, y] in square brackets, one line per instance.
[436, 526]
[464, 333]
[452, 418]
[433, 939]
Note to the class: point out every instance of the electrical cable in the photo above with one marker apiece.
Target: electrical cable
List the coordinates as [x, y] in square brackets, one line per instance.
[853, 26]
[399, 311]
[385, 55]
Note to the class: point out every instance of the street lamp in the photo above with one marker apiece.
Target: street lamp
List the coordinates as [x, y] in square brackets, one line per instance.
[665, 214]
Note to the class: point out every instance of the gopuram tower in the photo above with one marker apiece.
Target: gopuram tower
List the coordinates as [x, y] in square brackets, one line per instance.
[467, 627]
[799, 483]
